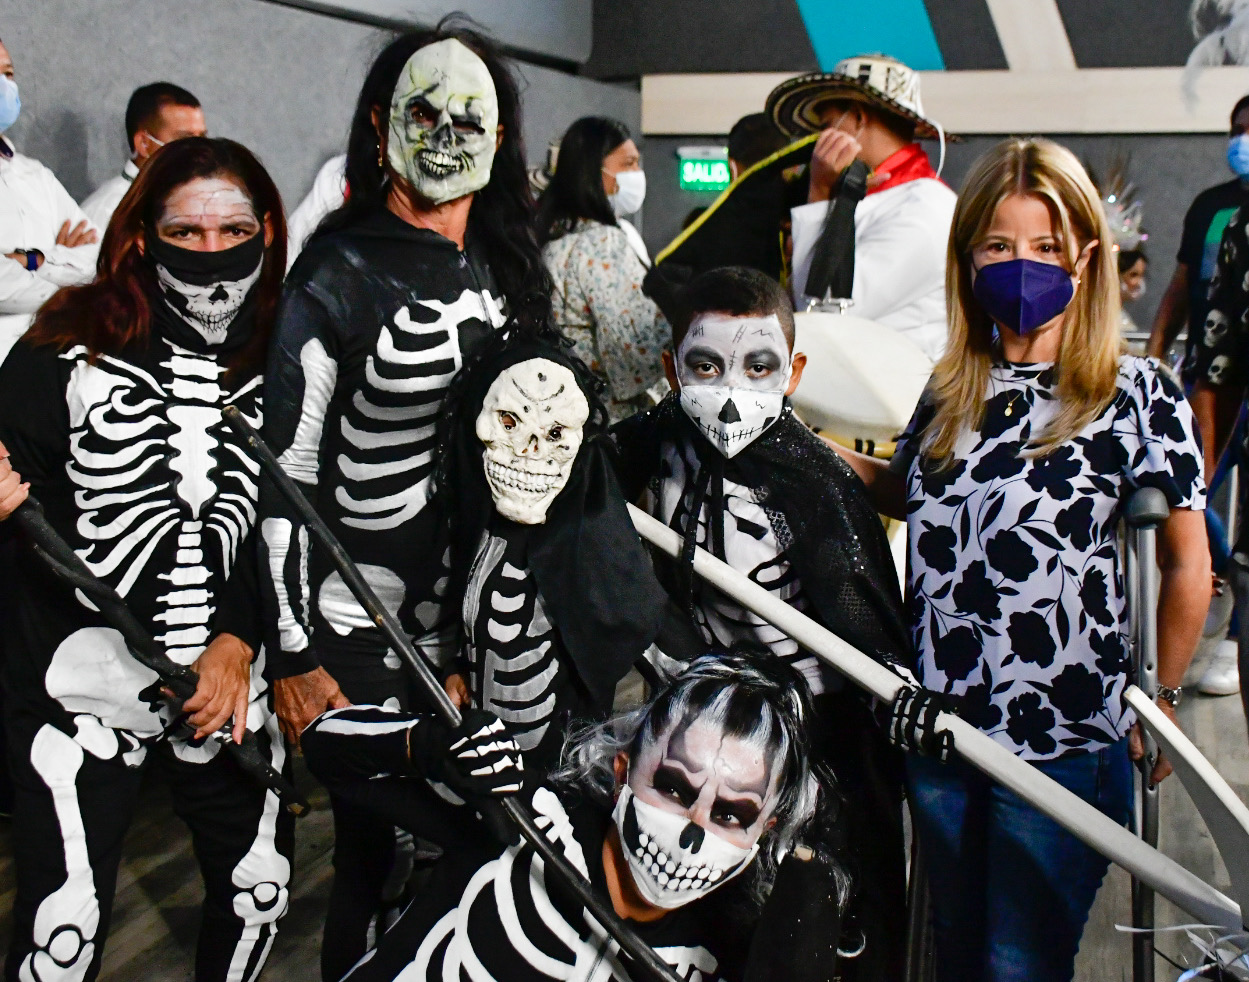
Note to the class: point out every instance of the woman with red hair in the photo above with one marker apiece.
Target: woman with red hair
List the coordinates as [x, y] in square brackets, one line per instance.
[110, 407]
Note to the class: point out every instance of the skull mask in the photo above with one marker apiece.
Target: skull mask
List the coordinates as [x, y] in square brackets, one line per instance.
[444, 118]
[531, 423]
[209, 308]
[1215, 328]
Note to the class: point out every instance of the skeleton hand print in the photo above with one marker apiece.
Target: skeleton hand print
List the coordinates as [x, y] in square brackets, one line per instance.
[444, 119]
[531, 423]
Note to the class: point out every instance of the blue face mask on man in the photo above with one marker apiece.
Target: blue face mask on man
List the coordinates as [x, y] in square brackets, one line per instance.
[1238, 155]
[10, 103]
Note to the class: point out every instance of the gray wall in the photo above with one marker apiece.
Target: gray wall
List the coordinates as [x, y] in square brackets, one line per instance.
[1169, 171]
[279, 79]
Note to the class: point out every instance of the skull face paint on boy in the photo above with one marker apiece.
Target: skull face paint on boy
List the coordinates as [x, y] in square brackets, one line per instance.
[734, 372]
[691, 815]
[444, 121]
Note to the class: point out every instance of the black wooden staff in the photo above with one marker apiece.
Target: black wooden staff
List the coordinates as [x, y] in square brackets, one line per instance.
[178, 679]
[388, 624]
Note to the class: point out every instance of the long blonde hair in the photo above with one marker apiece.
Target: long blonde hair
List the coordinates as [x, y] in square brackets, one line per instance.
[1088, 354]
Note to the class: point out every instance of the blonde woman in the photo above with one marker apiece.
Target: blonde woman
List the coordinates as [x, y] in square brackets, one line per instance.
[1032, 434]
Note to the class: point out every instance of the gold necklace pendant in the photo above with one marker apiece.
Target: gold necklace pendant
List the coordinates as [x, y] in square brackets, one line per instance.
[1010, 406]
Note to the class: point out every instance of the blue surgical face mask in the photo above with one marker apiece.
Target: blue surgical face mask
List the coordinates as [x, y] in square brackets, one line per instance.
[1238, 155]
[1023, 294]
[10, 103]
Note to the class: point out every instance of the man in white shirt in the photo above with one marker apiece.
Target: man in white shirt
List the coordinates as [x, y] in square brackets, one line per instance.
[869, 109]
[328, 193]
[46, 242]
[155, 115]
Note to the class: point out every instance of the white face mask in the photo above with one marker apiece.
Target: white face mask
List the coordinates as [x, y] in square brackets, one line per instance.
[733, 373]
[531, 423]
[630, 192]
[444, 121]
[672, 859]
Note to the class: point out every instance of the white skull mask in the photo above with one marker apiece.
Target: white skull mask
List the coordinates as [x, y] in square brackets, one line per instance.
[1215, 328]
[733, 373]
[531, 423]
[444, 119]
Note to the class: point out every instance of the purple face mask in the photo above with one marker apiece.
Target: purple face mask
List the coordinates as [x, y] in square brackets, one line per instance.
[1023, 294]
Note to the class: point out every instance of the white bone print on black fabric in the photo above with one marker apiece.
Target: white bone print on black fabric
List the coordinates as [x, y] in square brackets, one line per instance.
[751, 546]
[513, 649]
[68, 918]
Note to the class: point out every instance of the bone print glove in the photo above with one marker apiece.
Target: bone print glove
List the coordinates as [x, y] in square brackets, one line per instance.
[478, 758]
[912, 720]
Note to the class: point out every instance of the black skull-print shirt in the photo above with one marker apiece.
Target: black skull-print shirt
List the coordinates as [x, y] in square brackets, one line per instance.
[1015, 591]
[1221, 350]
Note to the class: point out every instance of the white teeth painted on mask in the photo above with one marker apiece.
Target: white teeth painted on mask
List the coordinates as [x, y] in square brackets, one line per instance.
[682, 870]
[702, 873]
[715, 875]
[662, 859]
[526, 482]
[670, 868]
[686, 884]
[644, 838]
[651, 847]
[639, 851]
[663, 879]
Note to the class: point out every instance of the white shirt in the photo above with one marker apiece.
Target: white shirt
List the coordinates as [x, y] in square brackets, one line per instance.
[900, 237]
[33, 206]
[99, 207]
[635, 241]
[329, 191]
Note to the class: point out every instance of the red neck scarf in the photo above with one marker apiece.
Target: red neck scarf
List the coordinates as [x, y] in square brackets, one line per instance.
[908, 164]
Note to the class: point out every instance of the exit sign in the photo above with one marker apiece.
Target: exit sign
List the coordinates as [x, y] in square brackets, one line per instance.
[703, 168]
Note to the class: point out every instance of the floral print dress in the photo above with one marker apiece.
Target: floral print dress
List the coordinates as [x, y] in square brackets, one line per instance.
[1014, 588]
[599, 304]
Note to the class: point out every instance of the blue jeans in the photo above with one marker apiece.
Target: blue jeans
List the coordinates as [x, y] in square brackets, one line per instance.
[1011, 889]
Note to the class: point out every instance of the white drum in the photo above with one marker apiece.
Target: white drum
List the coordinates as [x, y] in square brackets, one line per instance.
[862, 379]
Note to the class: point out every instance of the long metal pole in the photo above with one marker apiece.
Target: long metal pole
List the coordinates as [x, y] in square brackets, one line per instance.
[401, 644]
[1095, 829]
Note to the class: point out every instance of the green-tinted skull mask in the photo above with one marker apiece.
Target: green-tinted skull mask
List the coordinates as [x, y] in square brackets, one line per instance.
[444, 117]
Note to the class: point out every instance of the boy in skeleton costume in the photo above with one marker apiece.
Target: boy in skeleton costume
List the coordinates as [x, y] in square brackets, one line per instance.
[558, 597]
[380, 310]
[728, 466]
[113, 414]
[679, 812]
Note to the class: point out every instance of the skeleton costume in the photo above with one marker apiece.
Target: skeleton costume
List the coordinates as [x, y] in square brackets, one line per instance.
[729, 467]
[557, 595]
[137, 471]
[376, 319]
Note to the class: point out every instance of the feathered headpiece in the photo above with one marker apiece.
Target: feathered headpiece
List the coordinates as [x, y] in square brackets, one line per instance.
[1122, 205]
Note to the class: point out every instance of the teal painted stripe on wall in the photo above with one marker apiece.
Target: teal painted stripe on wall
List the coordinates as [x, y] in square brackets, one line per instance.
[843, 28]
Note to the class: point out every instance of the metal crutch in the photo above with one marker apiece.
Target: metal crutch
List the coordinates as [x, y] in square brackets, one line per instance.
[1146, 510]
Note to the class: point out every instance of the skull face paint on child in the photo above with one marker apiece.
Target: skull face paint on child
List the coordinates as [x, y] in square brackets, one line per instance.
[733, 373]
[208, 252]
[531, 423]
[444, 120]
[693, 810]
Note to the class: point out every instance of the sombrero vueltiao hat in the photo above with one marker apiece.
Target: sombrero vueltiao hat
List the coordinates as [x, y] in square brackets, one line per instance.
[797, 104]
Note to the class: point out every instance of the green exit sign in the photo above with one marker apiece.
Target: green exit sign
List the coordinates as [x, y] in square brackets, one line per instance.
[703, 168]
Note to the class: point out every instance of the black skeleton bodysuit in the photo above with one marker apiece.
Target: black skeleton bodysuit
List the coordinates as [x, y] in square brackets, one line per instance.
[375, 322]
[520, 669]
[140, 475]
[490, 912]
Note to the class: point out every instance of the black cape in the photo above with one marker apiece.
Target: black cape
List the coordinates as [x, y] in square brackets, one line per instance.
[838, 549]
[596, 579]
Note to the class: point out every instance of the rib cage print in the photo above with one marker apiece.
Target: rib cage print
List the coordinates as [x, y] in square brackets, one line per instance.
[511, 644]
[750, 546]
[389, 429]
[155, 472]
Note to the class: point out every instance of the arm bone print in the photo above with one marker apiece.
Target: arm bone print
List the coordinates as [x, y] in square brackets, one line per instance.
[637, 949]
[178, 679]
[1165, 875]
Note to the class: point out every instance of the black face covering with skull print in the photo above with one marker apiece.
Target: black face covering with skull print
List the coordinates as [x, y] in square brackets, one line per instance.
[208, 296]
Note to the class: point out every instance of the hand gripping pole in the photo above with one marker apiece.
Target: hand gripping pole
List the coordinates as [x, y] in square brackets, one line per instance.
[178, 679]
[638, 950]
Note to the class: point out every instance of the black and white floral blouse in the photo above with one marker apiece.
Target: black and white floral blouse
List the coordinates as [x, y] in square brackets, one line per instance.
[1015, 595]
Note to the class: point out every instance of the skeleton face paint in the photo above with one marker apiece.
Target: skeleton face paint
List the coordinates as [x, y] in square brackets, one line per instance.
[531, 424]
[691, 815]
[206, 287]
[733, 373]
[444, 117]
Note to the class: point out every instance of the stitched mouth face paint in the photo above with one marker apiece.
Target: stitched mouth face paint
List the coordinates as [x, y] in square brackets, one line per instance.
[693, 810]
[444, 120]
[733, 373]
